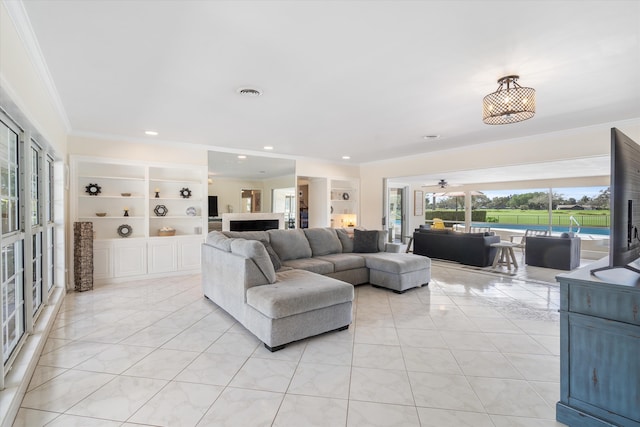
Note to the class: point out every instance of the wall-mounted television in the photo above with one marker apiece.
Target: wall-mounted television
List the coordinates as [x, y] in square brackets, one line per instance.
[213, 206]
[624, 203]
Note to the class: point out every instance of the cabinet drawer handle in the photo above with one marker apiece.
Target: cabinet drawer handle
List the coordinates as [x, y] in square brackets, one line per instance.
[594, 378]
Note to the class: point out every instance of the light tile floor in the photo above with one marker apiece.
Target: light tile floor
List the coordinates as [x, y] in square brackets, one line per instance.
[471, 349]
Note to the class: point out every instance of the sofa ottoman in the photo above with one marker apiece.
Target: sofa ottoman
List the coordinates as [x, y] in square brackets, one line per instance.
[398, 272]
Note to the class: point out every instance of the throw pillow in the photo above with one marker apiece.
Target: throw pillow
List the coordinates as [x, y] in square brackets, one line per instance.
[256, 251]
[345, 239]
[365, 241]
[275, 259]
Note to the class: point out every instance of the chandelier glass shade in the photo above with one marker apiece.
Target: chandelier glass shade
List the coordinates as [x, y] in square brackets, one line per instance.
[511, 103]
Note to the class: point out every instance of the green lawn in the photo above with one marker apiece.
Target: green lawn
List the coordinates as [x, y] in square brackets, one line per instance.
[595, 218]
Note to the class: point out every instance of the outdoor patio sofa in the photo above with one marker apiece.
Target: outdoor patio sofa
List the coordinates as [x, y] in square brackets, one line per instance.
[466, 248]
[287, 285]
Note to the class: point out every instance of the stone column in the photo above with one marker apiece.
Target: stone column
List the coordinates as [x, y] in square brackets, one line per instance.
[83, 256]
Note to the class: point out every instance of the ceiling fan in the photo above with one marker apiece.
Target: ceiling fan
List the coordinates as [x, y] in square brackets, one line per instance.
[442, 183]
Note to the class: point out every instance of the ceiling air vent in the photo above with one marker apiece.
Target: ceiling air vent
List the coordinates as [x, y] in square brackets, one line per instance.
[247, 91]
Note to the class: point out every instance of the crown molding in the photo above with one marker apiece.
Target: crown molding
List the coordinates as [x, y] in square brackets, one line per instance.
[20, 19]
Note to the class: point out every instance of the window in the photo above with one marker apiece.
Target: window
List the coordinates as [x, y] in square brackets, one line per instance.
[12, 297]
[49, 224]
[11, 241]
[9, 206]
[36, 228]
[27, 231]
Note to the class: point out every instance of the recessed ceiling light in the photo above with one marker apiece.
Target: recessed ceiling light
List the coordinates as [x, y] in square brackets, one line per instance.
[249, 91]
[346, 157]
[268, 147]
[431, 137]
[242, 157]
[151, 132]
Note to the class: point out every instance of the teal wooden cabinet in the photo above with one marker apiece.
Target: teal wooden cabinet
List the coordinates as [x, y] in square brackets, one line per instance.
[599, 348]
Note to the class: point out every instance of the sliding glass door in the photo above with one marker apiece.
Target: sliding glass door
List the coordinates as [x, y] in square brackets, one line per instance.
[396, 205]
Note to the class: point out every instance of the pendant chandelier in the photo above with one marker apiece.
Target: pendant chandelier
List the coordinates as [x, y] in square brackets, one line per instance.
[511, 103]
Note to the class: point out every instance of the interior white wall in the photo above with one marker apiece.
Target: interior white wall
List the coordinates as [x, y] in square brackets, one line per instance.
[318, 202]
[22, 82]
[271, 184]
[149, 150]
[229, 192]
[311, 168]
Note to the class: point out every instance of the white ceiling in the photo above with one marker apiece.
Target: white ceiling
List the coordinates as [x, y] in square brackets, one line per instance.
[230, 165]
[557, 170]
[364, 79]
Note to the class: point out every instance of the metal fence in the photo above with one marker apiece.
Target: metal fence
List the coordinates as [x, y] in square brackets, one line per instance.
[559, 220]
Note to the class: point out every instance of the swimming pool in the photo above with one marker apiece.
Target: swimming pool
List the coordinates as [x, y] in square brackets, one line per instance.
[603, 231]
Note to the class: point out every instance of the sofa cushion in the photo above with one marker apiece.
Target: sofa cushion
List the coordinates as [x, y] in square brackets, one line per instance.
[249, 235]
[314, 265]
[256, 251]
[365, 241]
[382, 240]
[345, 239]
[342, 262]
[290, 244]
[275, 259]
[298, 291]
[397, 263]
[219, 241]
[323, 241]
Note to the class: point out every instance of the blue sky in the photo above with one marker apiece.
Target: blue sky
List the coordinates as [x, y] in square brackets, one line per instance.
[575, 192]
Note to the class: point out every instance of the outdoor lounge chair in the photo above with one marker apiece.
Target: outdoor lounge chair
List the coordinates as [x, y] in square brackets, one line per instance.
[521, 240]
[437, 224]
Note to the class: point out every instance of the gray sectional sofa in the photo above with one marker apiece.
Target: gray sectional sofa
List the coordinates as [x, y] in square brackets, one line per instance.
[286, 285]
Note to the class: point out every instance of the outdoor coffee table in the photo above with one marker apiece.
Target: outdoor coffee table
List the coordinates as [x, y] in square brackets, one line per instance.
[505, 255]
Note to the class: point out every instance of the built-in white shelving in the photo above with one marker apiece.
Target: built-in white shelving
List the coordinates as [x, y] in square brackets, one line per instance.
[344, 202]
[143, 251]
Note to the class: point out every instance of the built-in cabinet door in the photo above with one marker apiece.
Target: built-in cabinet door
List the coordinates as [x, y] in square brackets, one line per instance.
[604, 368]
[102, 260]
[189, 254]
[162, 256]
[130, 258]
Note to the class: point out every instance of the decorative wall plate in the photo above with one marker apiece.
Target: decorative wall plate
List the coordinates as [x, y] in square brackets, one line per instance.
[345, 196]
[191, 211]
[160, 210]
[93, 189]
[125, 230]
[185, 193]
